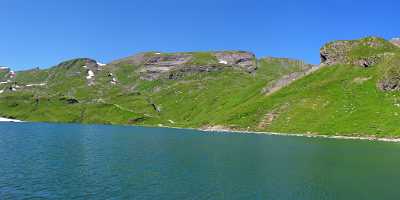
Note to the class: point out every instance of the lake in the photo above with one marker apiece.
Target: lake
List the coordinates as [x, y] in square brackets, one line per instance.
[71, 161]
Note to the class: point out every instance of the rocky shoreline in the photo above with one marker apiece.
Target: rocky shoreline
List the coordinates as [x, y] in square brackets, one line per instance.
[221, 129]
[369, 138]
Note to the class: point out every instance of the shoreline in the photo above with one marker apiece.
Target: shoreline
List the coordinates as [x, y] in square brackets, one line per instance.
[218, 129]
[342, 137]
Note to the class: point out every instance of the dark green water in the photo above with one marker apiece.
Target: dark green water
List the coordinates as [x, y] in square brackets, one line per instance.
[48, 161]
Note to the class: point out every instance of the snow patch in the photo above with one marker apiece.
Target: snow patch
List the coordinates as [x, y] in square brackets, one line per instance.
[158, 53]
[223, 62]
[100, 64]
[114, 81]
[90, 74]
[2, 119]
[84, 66]
[1, 91]
[172, 122]
[36, 84]
[4, 82]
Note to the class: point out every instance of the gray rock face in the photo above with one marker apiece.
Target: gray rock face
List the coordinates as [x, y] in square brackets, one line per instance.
[155, 65]
[336, 52]
[389, 85]
[302, 69]
[131, 60]
[158, 64]
[244, 60]
[348, 52]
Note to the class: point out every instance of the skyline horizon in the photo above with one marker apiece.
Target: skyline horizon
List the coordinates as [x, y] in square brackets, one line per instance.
[44, 33]
[135, 53]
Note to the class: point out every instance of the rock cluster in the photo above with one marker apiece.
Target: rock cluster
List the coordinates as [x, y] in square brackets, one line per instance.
[389, 84]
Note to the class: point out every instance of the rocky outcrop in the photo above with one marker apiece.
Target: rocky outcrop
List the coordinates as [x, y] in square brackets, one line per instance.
[75, 67]
[364, 52]
[389, 77]
[4, 73]
[156, 65]
[136, 59]
[297, 68]
[336, 52]
[395, 41]
[244, 60]
[389, 84]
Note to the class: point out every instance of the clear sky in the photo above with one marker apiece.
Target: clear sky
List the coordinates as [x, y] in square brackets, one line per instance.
[45, 32]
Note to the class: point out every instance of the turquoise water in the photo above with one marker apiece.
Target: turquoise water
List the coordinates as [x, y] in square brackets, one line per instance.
[56, 161]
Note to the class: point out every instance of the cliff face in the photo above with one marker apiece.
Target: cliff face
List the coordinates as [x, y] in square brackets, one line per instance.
[364, 52]
[156, 65]
[367, 52]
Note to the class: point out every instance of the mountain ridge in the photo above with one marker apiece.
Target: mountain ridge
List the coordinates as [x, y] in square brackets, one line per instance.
[230, 89]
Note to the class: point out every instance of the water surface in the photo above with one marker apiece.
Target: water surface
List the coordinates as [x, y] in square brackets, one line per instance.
[60, 161]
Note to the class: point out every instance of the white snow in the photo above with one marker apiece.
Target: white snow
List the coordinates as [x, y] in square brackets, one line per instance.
[4, 82]
[158, 53]
[223, 62]
[114, 81]
[172, 122]
[2, 119]
[84, 66]
[36, 84]
[101, 64]
[90, 75]
[1, 91]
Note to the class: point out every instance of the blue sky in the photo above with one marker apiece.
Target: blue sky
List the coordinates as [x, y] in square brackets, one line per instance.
[46, 32]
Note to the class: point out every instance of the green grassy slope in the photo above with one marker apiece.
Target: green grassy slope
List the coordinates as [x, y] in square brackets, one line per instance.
[339, 99]
[192, 101]
[345, 99]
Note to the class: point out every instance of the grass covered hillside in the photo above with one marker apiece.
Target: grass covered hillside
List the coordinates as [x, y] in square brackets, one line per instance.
[353, 92]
